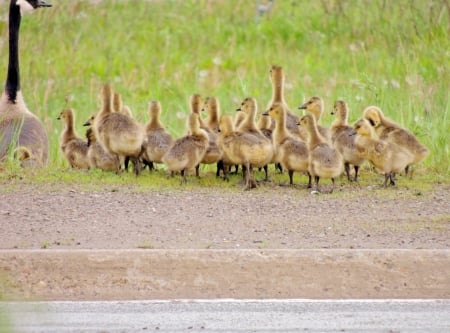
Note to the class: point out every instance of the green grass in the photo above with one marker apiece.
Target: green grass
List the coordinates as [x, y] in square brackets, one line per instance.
[393, 54]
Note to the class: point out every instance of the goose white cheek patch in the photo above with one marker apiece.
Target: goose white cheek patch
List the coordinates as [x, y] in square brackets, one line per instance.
[24, 6]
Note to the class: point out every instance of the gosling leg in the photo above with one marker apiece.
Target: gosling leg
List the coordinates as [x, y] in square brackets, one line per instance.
[291, 177]
[356, 172]
[347, 171]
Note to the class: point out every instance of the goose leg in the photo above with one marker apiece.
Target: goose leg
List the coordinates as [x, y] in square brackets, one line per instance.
[316, 180]
[392, 179]
[386, 177]
[197, 170]
[183, 177]
[279, 167]
[220, 166]
[309, 180]
[291, 177]
[266, 171]
[356, 172]
[347, 171]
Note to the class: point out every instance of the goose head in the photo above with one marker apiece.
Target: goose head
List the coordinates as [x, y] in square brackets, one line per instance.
[30, 5]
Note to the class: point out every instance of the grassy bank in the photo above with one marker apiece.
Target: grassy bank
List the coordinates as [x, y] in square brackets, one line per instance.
[394, 54]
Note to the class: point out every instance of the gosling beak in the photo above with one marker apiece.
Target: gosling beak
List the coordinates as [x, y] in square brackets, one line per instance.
[302, 107]
[265, 113]
[353, 133]
[87, 123]
[238, 109]
[42, 3]
[59, 117]
[332, 112]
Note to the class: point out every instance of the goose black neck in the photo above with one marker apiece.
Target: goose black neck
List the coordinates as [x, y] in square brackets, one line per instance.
[13, 78]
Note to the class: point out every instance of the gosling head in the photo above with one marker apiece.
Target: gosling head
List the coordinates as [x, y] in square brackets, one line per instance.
[276, 74]
[313, 105]
[210, 104]
[275, 111]
[247, 105]
[90, 121]
[374, 115]
[362, 127]
[195, 102]
[154, 108]
[226, 124]
[66, 115]
[340, 109]
[307, 121]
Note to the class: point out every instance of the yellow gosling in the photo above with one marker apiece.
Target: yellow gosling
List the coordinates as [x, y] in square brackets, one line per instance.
[158, 139]
[324, 160]
[343, 138]
[291, 152]
[388, 130]
[387, 157]
[73, 147]
[188, 151]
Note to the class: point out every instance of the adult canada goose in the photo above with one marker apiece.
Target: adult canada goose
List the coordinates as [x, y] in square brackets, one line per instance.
[343, 138]
[242, 148]
[18, 126]
[315, 105]
[324, 160]
[291, 152]
[117, 133]
[188, 151]
[158, 139]
[73, 147]
[277, 78]
[387, 157]
[388, 130]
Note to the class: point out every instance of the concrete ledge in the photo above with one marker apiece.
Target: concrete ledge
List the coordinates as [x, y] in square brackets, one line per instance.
[162, 274]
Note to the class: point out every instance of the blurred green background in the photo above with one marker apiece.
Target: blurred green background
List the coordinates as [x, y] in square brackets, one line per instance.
[394, 54]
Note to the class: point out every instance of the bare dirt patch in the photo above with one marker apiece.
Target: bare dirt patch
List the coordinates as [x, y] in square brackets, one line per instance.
[70, 217]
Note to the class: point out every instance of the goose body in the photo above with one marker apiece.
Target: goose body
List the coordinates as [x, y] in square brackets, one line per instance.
[73, 147]
[387, 157]
[343, 138]
[19, 127]
[324, 160]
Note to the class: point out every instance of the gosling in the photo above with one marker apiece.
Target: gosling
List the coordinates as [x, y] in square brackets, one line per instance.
[97, 156]
[188, 151]
[242, 148]
[73, 147]
[118, 133]
[387, 157]
[158, 139]
[388, 130]
[324, 160]
[343, 138]
[291, 152]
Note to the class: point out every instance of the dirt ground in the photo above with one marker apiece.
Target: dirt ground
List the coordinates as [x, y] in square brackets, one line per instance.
[271, 217]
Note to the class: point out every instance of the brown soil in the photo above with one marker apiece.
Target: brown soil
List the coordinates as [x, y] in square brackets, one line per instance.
[270, 217]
